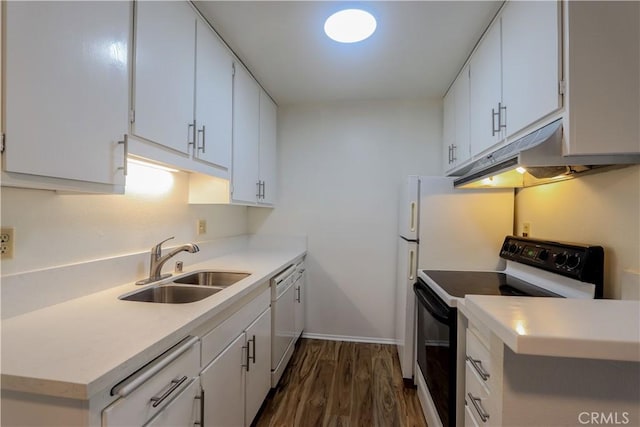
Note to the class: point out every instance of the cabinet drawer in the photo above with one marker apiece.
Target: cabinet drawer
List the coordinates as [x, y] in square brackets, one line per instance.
[469, 418]
[477, 396]
[478, 356]
[220, 337]
[145, 393]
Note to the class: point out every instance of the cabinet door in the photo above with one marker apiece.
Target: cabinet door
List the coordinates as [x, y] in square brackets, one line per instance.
[258, 376]
[485, 92]
[66, 89]
[267, 154]
[530, 62]
[164, 73]
[223, 385]
[214, 98]
[299, 307]
[246, 136]
[461, 149]
[184, 410]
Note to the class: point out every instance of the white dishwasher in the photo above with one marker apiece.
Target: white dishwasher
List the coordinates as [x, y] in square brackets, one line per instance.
[283, 334]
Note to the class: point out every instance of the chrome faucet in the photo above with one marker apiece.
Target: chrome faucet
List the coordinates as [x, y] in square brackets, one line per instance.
[157, 260]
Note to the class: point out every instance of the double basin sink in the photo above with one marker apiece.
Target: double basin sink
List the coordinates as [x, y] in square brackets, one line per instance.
[190, 288]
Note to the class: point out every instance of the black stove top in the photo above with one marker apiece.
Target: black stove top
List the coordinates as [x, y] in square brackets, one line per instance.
[461, 283]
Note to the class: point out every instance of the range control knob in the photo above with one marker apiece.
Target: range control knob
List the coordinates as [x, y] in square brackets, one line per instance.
[573, 261]
[513, 248]
[543, 255]
[505, 247]
[561, 259]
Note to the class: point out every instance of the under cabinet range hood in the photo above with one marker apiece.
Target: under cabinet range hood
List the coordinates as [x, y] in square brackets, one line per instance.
[536, 159]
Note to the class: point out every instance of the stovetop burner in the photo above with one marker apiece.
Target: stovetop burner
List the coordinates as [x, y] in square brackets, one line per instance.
[461, 283]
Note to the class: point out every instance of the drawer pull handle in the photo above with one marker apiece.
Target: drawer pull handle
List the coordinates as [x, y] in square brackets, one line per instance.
[477, 403]
[125, 387]
[175, 383]
[477, 365]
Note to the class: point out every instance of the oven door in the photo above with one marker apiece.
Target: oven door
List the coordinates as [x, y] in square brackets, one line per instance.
[436, 350]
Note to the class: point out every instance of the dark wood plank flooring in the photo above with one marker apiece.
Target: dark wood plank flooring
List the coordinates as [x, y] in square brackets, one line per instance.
[335, 383]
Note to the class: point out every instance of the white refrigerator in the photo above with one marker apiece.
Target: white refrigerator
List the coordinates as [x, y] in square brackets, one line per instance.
[443, 228]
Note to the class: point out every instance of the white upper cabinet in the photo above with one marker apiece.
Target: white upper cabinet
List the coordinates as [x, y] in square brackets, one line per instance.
[485, 93]
[267, 150]
[531, 70]
[246, 137]
[214, 98]
[456, 136]
[254, 142]
[164, 76]
[66, 85]
[602, 60]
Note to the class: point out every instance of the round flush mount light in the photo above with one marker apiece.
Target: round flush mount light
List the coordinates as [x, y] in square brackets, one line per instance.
[350, 25]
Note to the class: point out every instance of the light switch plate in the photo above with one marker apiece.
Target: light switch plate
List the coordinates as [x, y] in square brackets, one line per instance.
[6, 242]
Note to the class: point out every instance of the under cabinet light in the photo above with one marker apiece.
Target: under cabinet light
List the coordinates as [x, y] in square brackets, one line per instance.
[150, 165]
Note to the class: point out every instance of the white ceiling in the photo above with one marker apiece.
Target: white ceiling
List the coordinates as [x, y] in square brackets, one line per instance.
[416, 51]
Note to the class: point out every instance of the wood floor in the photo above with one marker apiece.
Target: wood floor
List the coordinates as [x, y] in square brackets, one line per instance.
[335, 383]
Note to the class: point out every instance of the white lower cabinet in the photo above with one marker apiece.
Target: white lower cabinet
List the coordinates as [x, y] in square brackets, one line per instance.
[299, 308]
[223, 385]
[238, 378]
[503, 388]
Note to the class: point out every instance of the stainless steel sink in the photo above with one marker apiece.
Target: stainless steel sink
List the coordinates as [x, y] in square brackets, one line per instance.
[216, 279]
[171, 294]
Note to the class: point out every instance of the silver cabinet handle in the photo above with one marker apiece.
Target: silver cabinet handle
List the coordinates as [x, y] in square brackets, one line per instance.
[453, 153]
[191, 134]
[175, 383]
[247, 356]
[201, 399]
[253, 350]
[263, 188]
[125, 146]
[493, 121]
[477, 365]
[449, 156]
[258, 187]
[203, 132]
[298, 291]
[502, 107]
[477, 403]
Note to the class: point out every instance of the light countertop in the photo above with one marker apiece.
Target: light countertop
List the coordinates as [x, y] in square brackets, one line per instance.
[582, 328]
[78, 348]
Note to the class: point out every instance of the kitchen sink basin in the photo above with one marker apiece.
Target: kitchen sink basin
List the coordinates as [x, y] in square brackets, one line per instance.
[171, 294]
[216, 279]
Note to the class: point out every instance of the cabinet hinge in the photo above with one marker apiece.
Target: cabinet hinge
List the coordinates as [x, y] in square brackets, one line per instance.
[233, 69]
[132, 116]
[561, 87]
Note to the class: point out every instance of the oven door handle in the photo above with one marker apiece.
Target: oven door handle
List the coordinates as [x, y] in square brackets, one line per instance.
[432, 306]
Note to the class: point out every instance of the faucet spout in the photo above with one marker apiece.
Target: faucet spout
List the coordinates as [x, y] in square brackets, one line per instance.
[157, 260]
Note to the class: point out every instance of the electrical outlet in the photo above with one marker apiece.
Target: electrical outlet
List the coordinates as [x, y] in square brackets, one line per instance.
[6, 242]
[202, 226]
[526, 229]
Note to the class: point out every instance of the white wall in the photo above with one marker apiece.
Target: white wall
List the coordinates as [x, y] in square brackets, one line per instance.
[601, 209]
[341, 166]
[53, 229]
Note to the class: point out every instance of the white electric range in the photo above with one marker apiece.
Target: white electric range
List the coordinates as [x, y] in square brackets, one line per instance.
[534, 268]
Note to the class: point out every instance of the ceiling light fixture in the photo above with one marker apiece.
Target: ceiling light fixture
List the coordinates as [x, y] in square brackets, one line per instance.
[350, 25]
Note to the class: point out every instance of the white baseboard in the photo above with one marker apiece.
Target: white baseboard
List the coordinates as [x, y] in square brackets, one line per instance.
[348, 338]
